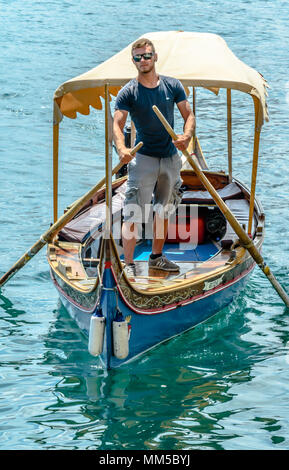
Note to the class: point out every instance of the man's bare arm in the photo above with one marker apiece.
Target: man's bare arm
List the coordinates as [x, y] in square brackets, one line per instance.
[189, 125]
[119, 121]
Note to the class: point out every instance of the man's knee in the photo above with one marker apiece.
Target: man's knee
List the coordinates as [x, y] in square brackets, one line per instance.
[130, 230]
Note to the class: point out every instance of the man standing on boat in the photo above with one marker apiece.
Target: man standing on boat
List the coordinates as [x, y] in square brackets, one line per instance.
[155, 169]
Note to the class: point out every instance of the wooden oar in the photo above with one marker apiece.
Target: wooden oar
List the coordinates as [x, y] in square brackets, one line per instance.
[246, 241]
[59, 224]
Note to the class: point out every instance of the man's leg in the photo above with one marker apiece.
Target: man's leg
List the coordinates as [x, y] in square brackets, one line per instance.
[160, 234]
[143, 174]
[157, 260]
[165, 200]
[129, 238]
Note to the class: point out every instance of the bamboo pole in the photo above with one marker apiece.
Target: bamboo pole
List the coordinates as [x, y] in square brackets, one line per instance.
[59, 224]
[254, 164]
[229, 133]
[246, 241]
[55, 170]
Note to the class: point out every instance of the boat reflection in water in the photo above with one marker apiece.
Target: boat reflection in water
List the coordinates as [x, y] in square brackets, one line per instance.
[163, 398]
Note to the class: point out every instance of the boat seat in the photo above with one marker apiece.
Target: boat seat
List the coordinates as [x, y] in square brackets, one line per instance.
[240, 209]
[81, 227]
[231, 191]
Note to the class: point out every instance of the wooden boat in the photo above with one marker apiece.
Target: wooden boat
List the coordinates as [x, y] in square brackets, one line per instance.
[124, 317]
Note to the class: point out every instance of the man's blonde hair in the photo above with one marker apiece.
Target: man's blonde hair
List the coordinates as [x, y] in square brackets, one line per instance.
[141, 43]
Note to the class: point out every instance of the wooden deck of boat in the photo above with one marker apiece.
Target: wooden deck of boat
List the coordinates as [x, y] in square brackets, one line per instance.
[65, 260]
[148, 279]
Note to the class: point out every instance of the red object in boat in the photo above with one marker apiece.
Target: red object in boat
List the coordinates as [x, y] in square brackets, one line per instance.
[186, 229]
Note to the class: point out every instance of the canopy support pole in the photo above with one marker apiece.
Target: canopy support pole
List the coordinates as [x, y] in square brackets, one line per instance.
[194, 111]
[108, 165]
[55, 170]
[229, 133]
[255, 163]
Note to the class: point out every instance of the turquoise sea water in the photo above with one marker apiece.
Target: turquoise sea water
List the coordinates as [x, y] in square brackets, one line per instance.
[223, 385]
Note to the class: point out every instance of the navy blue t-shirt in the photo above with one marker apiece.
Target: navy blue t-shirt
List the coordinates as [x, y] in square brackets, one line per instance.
[138, 101]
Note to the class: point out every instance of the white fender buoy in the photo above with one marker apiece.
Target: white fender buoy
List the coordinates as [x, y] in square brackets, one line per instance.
[96, 335]
[120, 339]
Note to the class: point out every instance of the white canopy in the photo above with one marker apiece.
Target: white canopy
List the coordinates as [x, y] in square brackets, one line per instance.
[196, 59]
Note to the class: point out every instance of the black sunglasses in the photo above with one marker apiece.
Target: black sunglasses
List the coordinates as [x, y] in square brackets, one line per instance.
[146, 56]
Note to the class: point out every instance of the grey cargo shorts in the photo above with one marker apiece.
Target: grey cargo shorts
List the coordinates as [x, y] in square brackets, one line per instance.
[152, 181]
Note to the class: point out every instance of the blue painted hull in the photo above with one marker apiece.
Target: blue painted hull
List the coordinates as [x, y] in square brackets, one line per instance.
[150, 329]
